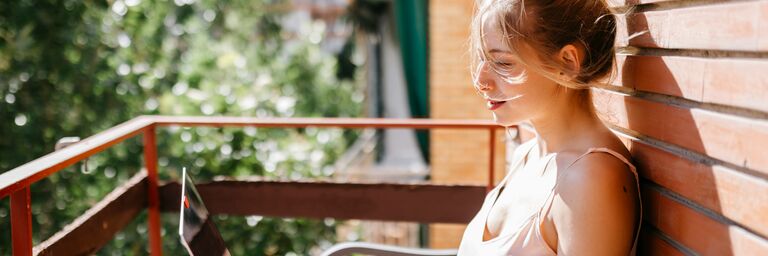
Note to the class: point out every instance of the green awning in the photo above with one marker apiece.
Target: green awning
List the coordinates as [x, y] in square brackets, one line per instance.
[412, 30]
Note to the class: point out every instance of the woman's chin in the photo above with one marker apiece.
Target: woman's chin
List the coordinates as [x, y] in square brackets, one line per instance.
[504, 121]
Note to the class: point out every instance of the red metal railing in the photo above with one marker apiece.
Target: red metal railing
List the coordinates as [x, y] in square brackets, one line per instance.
[17, 181]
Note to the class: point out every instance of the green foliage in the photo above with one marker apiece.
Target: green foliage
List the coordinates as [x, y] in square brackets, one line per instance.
[74, 68]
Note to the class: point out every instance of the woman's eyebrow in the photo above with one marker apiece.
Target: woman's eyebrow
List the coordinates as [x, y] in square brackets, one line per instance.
[499, 51]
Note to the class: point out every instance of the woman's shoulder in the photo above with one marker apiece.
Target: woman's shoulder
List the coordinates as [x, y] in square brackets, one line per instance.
[599, 166]
[596, 165]
[597, 171]
[597, 199]
[601, 152]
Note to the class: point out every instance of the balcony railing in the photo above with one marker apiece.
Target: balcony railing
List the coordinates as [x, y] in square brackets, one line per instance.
[415, 202]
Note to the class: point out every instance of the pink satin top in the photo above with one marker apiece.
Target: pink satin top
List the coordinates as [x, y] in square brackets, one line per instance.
[527, 239]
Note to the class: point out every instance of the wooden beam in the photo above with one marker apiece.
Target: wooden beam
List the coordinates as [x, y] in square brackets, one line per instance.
[372, 201]
[96, 227]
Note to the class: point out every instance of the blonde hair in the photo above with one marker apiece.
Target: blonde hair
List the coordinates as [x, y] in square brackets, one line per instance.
[547, 26]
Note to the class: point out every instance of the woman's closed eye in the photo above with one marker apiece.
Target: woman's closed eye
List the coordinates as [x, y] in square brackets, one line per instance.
[504, 64]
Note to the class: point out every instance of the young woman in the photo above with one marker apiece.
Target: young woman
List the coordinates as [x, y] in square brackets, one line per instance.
[572, 189]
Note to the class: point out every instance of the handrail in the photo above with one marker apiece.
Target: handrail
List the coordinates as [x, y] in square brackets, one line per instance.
[412, 123]
[42, 167]
[16, 182]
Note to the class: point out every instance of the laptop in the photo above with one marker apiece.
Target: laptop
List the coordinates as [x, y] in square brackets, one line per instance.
[197, 231]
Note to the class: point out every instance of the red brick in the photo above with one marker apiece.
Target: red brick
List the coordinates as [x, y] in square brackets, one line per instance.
[737, 196]
[675, 76]
[651, 244]
[732, 139]
[737, 82]
[697, 231]
[726, 26]
[727, 81]
[763, 26]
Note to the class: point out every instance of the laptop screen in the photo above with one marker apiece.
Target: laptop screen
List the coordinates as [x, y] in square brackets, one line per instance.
[196, 228]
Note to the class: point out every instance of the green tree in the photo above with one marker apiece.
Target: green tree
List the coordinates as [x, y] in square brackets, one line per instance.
[74, 68]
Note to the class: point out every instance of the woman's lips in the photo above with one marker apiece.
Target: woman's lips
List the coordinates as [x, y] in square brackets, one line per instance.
[493, 105]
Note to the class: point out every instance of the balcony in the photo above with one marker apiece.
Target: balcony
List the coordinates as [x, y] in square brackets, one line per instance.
[417, 202]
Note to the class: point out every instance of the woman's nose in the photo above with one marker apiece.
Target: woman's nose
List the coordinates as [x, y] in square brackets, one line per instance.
[481, 80]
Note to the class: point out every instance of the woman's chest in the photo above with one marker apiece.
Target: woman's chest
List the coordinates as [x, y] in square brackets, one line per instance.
[525, 192]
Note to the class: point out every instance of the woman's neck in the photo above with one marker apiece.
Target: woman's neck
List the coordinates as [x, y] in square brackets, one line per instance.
[566, 128]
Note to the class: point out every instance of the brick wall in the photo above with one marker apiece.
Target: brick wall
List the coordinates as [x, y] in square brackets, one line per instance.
[690, 100]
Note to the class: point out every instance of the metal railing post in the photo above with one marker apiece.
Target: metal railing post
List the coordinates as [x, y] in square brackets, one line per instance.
[153, 207]
[491, 158]
[21, 222]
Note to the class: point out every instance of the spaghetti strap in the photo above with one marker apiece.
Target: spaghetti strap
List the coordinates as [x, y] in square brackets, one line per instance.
[526, 147]
[527, 238]
[603, 150]
[548, 202]
[617, 155]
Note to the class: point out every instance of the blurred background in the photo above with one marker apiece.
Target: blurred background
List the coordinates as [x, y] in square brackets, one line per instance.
[75, 68]
[688, 100]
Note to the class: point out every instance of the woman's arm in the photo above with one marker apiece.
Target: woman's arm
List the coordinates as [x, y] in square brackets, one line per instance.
[596, 207]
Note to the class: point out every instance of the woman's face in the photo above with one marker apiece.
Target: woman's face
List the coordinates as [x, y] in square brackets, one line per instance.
[513, 92]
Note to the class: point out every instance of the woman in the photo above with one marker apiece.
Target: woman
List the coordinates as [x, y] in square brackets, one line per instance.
[571, 190]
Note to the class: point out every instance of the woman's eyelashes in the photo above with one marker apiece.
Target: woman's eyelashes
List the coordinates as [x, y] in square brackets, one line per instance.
[504, 64]
[504, 68]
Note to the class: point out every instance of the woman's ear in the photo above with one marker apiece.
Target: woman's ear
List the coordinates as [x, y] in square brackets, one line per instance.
[571, 56]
